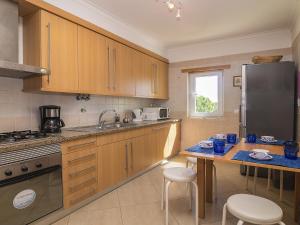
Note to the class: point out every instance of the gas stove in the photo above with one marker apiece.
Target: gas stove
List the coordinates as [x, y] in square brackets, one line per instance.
[17, 136]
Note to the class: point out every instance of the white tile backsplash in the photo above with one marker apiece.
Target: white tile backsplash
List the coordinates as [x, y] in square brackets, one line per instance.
[20, 110]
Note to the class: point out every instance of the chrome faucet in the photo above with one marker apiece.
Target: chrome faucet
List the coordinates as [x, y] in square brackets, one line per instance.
[101, 122]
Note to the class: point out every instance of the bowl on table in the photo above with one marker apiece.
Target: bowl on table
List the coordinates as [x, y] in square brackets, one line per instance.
[206, 144]
[269, 139]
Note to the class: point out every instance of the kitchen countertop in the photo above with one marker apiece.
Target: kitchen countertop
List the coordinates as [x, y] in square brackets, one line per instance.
[69, 134]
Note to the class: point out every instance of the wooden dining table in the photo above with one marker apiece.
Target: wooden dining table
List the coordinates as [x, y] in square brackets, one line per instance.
[205, 172]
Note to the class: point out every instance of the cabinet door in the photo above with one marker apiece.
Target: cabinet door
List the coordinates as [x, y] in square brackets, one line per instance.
[151, 148]
[142, 73]
[92, 62]
[162, 134]
[163, 81]
[174, 139]
[120, 69]
[59, 53]
[113, 164]
[137, 157]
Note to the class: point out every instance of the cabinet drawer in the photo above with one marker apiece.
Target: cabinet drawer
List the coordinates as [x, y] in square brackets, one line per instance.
[78, 145]
[112, 138]
[80, 196]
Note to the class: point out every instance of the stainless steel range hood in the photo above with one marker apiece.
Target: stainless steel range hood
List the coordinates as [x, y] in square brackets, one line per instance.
[9, 48]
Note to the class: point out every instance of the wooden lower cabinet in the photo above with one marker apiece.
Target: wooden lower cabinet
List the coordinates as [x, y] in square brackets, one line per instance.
[113, 164]
[96, 164]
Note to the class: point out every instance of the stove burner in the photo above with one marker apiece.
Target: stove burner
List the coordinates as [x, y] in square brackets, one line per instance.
[21, 135]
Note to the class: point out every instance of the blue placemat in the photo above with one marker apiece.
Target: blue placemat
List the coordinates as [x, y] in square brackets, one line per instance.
[237, 140]
[278, 160]
[259, 141]
[209, 151]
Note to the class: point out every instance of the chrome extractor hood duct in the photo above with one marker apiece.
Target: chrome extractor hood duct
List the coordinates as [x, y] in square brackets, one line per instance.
[9, 38]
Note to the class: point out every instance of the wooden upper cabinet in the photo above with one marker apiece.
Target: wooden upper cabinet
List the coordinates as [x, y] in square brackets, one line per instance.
[121, 79]
[55, 49]
[92, 62]
[163, 81]
[142, 74]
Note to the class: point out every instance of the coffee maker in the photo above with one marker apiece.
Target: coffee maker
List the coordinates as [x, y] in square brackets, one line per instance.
[50, 119]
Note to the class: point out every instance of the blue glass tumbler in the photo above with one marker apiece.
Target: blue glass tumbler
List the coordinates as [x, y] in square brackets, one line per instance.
[291, 150]
[231, 138]
[251, 138]
[219, 145]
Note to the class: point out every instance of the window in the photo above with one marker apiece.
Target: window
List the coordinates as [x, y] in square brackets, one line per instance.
[206, 94]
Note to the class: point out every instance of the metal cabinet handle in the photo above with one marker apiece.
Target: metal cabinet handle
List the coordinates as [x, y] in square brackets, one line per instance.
[49, 51]
[115, 70]
[126, 156]
[131, 152]
[109, 72]
[156, 78]
[152, 79]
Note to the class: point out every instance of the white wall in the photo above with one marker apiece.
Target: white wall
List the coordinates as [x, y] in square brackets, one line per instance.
[296, 25]
[92, 14]
[277, 39]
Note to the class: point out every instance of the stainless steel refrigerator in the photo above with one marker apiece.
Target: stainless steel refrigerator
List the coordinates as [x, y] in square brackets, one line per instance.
[268, 104]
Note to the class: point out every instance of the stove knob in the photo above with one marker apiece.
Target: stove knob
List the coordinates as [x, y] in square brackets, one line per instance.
[24, 168]
[38, 165]
[8, 173]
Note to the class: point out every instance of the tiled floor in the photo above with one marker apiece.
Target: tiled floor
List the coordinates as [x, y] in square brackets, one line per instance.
[138, 202]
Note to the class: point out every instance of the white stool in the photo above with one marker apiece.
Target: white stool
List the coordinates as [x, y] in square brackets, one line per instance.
[193, 161]
[178, 174]
[253, 209]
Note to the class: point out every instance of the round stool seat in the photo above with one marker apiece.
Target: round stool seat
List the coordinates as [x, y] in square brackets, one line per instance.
[192, 160]
[180, 174]
[254, 209]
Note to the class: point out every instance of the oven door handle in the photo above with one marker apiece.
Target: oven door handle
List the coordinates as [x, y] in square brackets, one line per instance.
[28, 176]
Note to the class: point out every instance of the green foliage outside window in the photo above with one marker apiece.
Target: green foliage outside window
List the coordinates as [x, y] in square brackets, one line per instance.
[204, 104]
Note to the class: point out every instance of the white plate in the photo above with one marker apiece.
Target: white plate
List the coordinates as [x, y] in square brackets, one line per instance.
[260, 150]
[274, 141]
[253, 155]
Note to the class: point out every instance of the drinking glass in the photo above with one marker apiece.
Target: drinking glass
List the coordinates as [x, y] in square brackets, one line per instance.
[251, 138]
[219, 145]
[291, 150]
[231, 138]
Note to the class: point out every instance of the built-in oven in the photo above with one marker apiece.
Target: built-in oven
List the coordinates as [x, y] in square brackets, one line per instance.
[30, 188]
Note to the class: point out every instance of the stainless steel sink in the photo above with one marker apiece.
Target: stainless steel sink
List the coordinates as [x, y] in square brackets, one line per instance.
[96, 128]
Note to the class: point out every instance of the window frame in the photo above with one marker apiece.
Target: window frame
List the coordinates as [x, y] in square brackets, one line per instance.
[191, 94]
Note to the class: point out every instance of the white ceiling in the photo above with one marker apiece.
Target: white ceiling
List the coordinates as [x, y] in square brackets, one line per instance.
[202, 20]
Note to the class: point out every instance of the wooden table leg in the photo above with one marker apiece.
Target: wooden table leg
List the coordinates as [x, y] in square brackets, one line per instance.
[297, 197]
[201, 187]
[209, 180]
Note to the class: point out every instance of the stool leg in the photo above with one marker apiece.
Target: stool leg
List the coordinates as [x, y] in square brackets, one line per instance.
[193, 165]
[167, 202]
[196, 203]
[215, 181]
[281, 185]
[247, 177]
[255, 178]
[191, 195]
[281, 223]
[186, 164]
[163, 193]
[224, 214]
[269, 179]
[240, 222]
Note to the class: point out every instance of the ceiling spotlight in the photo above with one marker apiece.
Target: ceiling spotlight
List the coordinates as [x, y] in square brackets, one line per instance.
[170, 5]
